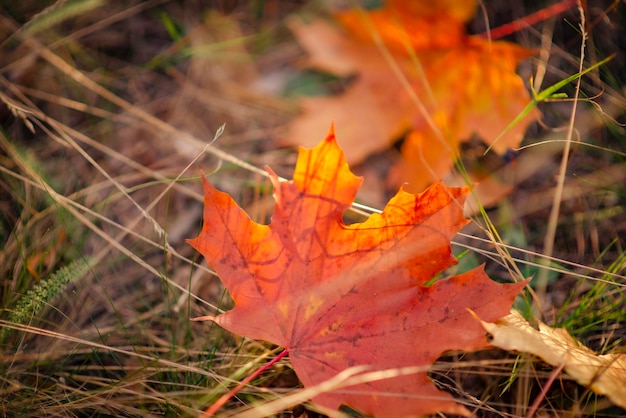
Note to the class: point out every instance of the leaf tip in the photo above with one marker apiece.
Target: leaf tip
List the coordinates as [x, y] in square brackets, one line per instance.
[273, 176]
[331, 132]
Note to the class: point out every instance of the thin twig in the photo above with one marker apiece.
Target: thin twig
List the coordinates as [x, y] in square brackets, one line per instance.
[227, 396]
[544, 391]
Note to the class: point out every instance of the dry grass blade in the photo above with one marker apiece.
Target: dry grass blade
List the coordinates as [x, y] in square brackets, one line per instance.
[548, 247]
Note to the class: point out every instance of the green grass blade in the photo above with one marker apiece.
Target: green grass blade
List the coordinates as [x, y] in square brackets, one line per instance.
[543, 95]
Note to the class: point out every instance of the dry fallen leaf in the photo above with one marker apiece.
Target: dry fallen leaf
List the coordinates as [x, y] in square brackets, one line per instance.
[337, 296]
[604, 374]
[464, 84]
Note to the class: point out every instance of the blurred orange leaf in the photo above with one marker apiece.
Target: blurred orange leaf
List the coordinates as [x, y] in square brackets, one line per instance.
[337, 296]
[455, 85]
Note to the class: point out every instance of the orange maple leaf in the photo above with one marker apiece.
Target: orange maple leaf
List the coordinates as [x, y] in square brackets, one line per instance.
[337, 296]
[464, 85]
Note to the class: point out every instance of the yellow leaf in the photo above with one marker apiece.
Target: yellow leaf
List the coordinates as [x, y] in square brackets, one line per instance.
[604, 374]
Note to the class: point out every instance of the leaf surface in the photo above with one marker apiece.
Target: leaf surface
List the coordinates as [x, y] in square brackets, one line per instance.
[465, 85]
[337, 296]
